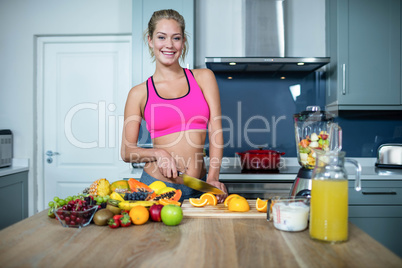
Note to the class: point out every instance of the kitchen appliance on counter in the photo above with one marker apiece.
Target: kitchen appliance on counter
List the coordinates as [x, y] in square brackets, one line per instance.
[389, 155]
[314, 131]
[6, 148]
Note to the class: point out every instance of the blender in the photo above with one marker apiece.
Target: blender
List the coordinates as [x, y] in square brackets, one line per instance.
[315, 133]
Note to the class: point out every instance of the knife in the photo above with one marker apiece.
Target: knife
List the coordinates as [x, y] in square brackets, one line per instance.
[199, 185]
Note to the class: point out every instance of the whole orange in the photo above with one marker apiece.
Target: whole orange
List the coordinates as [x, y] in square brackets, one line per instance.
[139, 215]
[239, 203]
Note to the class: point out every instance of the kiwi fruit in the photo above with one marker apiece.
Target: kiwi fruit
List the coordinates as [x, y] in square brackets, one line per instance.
[113, 208]
[102, 216]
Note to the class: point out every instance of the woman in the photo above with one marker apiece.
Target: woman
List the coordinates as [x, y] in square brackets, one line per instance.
[178, 106]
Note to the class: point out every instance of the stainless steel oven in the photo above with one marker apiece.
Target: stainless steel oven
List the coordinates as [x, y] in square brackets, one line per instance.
[263, 190]
[258, 184]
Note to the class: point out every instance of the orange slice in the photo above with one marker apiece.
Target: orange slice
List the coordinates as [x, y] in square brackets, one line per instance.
[261, 205]
[212, 200]
[227, 200]
[239, 204]
[197, 202]
[169, 202]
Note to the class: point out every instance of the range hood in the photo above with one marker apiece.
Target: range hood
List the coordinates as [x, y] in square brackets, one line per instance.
[265, 64]
[263, 47]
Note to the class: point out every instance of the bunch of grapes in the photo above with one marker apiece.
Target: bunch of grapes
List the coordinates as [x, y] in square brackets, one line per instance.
[140, 195]
[91, 201]
[76, 212]
[101, 201]
[58, 202]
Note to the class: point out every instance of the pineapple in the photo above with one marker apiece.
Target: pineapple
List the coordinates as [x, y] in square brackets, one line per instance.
[100, 187]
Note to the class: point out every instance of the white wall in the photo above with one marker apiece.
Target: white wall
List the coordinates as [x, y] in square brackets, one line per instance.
[20, 22]
[218, 29]
[304, 28]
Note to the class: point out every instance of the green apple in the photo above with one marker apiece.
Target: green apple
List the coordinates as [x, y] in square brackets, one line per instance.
[171, 215]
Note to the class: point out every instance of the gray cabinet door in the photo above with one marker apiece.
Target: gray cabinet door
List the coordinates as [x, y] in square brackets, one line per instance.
[383, 223]
[365, 48]
[14, 196]
[377, 210]
[379, 192]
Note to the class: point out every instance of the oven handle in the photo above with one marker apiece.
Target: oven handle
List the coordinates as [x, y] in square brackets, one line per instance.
[379, 193]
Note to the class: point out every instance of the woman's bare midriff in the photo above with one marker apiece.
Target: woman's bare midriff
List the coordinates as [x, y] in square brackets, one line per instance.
[187, 148]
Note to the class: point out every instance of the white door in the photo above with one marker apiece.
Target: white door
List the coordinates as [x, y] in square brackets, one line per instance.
[83, 83]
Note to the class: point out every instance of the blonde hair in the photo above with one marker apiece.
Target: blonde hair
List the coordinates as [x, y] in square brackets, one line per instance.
[166, 14]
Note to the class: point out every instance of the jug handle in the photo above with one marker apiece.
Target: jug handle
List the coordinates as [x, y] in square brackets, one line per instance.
[358, 184]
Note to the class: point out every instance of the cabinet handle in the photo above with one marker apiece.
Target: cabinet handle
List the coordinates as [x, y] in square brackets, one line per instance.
[378, 193]
[344, 79]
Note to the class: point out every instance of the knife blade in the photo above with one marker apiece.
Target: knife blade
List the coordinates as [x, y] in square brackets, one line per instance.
[199, 185]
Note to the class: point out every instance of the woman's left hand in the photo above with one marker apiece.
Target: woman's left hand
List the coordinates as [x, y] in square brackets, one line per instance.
[217, 184]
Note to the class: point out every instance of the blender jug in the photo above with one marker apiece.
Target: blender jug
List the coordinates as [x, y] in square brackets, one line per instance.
[315, 132]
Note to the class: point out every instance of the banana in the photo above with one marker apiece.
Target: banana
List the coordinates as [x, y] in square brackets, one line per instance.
[127, 205]
[117, 196]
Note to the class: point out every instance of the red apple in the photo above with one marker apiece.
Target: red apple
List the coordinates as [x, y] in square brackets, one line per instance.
[155, 212]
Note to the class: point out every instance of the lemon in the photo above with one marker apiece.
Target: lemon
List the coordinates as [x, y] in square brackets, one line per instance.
[156, 186]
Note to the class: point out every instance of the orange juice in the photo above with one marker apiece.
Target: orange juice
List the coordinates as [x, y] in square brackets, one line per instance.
[329, 210]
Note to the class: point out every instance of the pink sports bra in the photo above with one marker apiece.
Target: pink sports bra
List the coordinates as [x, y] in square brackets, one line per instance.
[166, 116]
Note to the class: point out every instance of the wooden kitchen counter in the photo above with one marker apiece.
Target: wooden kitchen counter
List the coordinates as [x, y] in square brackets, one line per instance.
[40, 241]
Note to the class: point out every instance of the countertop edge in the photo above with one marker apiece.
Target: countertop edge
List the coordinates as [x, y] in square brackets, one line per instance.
[18, 165]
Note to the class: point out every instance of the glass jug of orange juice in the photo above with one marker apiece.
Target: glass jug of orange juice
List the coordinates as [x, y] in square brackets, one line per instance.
[329, 197]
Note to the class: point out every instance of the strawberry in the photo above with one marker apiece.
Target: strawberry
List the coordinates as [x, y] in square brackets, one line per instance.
[113, 223]
[125, 220]
[117, 217]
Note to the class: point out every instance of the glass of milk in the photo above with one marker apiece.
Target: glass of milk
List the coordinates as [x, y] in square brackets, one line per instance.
[290, 213]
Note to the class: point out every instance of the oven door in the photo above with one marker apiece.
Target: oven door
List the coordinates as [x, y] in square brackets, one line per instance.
[263, 190]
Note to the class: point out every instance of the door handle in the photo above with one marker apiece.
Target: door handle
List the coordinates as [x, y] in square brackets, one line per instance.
[49, 158]
[51, 153]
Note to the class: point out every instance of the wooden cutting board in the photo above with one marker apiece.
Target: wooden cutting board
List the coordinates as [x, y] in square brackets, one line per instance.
[220, 211]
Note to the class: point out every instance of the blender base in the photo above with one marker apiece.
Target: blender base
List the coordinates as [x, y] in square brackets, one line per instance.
[302, 184]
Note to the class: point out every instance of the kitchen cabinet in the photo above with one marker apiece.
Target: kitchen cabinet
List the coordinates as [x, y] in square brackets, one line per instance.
[14, 193]
[364, 44]
[143, 67]
[377, 209]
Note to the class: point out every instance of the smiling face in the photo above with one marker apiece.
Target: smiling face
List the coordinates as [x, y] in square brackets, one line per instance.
[167, 41]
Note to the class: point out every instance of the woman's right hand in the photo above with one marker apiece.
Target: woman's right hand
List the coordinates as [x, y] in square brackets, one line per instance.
[166, 164]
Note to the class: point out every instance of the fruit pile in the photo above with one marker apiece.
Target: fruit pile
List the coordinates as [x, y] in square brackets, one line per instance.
[129, 202]
[119, 204]
[308, 147]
